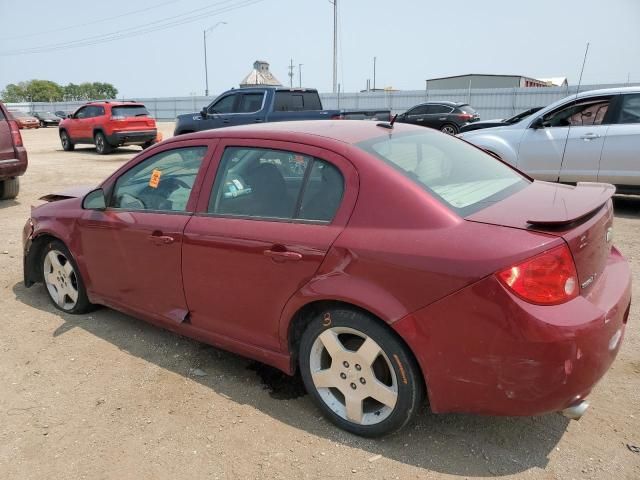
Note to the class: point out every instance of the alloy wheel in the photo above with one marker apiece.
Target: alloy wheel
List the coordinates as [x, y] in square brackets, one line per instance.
[448, 129]
[353, 376]
[60, 279]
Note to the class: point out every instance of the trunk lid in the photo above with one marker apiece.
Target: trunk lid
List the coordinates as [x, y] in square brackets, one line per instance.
[582, 215]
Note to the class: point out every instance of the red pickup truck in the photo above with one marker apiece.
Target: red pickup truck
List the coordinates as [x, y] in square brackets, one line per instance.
[13, 156]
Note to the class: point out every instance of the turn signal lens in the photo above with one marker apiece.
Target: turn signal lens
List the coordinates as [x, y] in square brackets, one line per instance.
[546, 279]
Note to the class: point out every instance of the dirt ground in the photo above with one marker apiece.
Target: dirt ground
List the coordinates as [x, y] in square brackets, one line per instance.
[106, 396]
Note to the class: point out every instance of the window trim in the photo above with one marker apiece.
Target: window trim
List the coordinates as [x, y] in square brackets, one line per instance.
[264, 96]
[612, 97]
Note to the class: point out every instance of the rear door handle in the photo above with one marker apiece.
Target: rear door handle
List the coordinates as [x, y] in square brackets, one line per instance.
[159, 239]
[284, 256]
[590, 136]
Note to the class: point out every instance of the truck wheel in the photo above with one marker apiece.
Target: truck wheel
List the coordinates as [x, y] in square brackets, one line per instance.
[102, 146]
[67, 144]
[9, 188]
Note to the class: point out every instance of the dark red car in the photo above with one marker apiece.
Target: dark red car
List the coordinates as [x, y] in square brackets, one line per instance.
[13, 155]
[108, 125]
[384, 262]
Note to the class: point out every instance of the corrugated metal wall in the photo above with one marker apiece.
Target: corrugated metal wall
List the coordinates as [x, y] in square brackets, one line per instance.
[490, 103]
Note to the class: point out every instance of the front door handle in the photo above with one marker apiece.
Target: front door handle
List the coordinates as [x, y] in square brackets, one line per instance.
[590, 136]
[283, 256]
[159, 239]
[226, 120]
[419, 119]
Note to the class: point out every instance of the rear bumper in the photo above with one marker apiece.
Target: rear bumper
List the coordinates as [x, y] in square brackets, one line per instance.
[14, 167]
[133, 137]
[483, 350]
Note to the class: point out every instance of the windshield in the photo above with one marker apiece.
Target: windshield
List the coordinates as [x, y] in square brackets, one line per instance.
[129, 111]
[463, 177]
[19, 114]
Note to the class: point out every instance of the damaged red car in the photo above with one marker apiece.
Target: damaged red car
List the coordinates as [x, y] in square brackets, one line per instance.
[389, 264]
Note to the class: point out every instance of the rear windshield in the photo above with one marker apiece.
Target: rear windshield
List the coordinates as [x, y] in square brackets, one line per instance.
[467, 109]
[129, 111]
[296, 101]
[461, 176]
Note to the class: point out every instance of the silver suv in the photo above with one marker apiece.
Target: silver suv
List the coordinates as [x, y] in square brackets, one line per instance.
[594, 136]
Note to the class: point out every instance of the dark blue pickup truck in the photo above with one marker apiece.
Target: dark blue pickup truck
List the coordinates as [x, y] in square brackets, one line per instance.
[267, 104]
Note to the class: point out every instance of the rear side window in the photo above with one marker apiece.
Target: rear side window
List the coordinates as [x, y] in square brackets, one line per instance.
[275, 184]
[461, 176]
[467, 109]
[419, 110]
[286, 101]
[630, 109]
[128, 111]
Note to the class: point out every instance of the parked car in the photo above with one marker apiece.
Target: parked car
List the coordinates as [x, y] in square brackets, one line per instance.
[24, 120]
[108, 125]
[61, 114]
[13, 156]
[469, 127]
[46, 118]
[361, 254]
[594, 136]
[268, 104]
[448, 117]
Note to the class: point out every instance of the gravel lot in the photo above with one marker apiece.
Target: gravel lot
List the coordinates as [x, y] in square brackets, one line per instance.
[107, 396]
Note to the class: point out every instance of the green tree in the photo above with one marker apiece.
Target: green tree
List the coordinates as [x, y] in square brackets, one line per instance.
[44, 91]
[72, 92]
[48, 91]
[14, 93]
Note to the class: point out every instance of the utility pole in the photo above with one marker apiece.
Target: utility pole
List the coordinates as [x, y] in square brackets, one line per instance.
[291, 67]
[335, 45]
[206, 70]
[300, 75]
[374, 74]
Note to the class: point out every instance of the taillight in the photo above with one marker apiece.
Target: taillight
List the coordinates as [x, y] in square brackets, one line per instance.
[15, 133]
[337, 117]
[546, 279]
[465, 116]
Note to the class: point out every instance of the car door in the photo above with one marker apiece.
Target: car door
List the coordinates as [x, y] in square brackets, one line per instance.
[78, 126]
[619, 160]
[132, 249]
[417, 115]
[565, 139]
[96, 119]
[219, 113]
[255, 240]
[437, 115]
[248, 109]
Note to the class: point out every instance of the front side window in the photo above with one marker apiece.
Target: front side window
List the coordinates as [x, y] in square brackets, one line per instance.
[277, 184]
[584, 112]
[419, 110]
[439, 109]
[461, 176]
[224, 105]
[82, 113]
[630, 110]
[162, 182]
[250, 102]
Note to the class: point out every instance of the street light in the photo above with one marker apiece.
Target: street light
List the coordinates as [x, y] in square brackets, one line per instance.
[206, 71]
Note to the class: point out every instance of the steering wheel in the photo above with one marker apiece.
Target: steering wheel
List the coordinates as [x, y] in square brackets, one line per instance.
[155, 197]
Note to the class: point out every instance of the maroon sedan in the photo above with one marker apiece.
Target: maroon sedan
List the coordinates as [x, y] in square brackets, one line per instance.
[386, 263]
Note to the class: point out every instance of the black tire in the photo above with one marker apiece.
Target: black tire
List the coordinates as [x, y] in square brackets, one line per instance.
[449, 128]
[9, 188]
[65, 140]
[394, 366]
[103, 147]
[42, 124]
[82, 304]
[148, 144]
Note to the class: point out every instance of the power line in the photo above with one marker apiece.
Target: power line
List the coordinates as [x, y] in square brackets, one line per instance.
[163, 24]
[84, 24]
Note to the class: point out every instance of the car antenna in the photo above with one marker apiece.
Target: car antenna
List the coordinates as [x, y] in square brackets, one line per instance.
[388, 125]
[575, 101]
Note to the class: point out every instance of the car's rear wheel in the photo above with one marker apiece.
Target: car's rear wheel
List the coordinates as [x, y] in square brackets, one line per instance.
[449, 128]
[42, 124]
[9, 188]
[65, 140]
[359, 373]
[62, 279]
[102, 146]
[148, 144]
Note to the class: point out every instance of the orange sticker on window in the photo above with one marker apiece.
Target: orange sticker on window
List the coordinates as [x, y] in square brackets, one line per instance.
[154, 181]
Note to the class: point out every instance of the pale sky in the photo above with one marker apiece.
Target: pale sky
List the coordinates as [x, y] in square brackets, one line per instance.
[413, 40]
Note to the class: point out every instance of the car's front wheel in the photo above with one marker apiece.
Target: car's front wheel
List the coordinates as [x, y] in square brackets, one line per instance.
[359, 373]
[449, 128]
[65, 140]
[102, 145]
[62, 279]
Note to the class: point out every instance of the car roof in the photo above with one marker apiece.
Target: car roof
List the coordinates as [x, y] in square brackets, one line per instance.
[114, 104]
[444, 102]
[343, 131]
[605, 91]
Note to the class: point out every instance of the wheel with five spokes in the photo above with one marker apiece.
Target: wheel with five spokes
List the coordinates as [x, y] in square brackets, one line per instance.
[359, 373]
[62, 279]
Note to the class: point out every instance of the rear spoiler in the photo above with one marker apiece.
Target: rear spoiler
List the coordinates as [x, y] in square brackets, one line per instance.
[585, 198]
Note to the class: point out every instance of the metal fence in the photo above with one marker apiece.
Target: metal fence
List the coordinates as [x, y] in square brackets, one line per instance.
[489, 102]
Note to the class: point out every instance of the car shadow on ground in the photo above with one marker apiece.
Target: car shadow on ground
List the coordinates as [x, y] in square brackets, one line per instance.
[92, 150]
[8, 203]
[456, 444]
[626, 206]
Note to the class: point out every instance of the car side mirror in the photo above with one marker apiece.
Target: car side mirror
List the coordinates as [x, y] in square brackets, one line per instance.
[69, 115]
[204, 113]
[538, 123]
[94, 200]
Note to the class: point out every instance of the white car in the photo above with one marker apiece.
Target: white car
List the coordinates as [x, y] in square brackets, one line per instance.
[594, 136]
